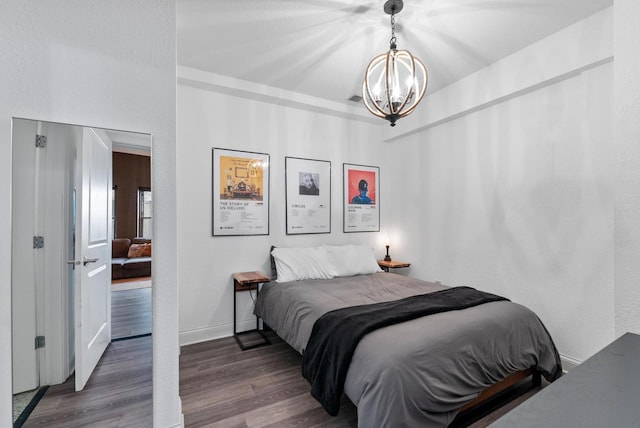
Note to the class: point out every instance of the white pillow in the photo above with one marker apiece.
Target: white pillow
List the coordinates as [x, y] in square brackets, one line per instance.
[350, 260]
[294, 264]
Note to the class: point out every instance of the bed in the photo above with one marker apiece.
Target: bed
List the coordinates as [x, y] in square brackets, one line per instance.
[416, 373]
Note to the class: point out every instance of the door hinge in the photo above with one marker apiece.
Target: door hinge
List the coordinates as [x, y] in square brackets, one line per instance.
[39, 342]
[38, 242]
[41, 141]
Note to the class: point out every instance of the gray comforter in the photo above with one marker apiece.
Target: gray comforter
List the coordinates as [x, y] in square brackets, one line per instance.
[417, 373]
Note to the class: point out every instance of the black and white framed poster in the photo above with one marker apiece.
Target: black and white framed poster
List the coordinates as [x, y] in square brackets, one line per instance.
[308, 195]
[361, 209]
[240, 193]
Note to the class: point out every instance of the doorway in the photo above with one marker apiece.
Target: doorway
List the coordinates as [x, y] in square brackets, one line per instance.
[48, 300]
[130, 308]
[132, 249]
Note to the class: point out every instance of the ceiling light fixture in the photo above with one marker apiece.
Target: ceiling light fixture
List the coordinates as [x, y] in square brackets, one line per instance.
[395, 82]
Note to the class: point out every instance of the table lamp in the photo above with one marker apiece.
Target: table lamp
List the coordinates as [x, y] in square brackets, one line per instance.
[387, 258]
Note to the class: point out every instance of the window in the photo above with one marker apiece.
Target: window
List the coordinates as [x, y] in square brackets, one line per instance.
[144, 212]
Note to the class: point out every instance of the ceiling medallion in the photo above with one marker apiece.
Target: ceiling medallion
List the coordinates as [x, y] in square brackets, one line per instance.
[396, 81]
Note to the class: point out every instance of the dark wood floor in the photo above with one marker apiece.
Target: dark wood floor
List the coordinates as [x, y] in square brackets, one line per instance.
[130, 312]
[222, 386]
[118, 393]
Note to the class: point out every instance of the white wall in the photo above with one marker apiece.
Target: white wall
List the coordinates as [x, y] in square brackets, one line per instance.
[207, 119]
[103, 64]
[517, 191]
[627, 165]
[515, 199]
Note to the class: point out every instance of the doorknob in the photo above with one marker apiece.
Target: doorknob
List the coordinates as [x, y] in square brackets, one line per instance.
[85, 260]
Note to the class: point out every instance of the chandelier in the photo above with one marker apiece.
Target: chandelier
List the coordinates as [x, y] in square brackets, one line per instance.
[396, 81]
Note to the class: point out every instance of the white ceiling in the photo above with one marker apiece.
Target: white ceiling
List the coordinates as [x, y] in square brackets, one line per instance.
[321, 47]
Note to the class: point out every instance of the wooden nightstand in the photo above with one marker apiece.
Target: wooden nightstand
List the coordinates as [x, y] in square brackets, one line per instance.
[392, 264]
[248, 281]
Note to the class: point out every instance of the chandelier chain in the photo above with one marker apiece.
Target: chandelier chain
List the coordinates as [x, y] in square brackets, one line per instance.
[392, 41]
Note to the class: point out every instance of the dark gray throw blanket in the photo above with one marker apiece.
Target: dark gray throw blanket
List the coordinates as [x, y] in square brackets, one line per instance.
[336, 334]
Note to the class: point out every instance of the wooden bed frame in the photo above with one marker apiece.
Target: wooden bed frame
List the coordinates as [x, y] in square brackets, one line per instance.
[495, 396]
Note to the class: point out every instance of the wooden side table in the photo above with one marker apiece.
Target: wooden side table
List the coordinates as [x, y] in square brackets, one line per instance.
[392, 264]
[248, 281]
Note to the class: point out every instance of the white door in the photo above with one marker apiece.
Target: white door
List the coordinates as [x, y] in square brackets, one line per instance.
[93, 253]
[23, 256]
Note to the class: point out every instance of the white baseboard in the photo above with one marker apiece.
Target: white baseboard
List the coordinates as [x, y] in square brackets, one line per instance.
[179, 424]
[214, 332]
[569, 363]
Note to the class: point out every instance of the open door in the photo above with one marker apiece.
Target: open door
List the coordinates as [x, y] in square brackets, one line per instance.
[23, 264]
[93, 253]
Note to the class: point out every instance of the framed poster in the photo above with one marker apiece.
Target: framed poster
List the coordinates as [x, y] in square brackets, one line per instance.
[361, 198]
[240, 193]
[308, 195]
